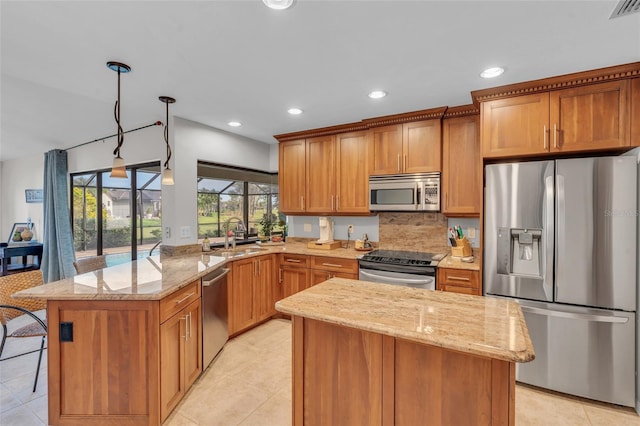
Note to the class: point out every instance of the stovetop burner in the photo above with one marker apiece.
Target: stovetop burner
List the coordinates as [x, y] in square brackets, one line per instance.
[398, 257]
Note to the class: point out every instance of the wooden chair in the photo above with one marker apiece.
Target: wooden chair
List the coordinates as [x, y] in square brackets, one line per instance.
[12, 308]
[88, 264]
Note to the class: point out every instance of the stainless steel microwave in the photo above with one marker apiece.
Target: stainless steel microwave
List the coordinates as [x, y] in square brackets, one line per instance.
[410, 192]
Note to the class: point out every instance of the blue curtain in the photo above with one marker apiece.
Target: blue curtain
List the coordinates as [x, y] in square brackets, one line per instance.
[58, 254]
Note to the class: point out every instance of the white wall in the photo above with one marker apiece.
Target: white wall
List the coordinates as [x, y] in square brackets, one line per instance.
[193, 142]
[16, 176]
[190, 142]
[273, 158]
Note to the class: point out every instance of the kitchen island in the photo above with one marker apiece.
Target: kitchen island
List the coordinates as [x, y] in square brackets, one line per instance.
[377, 354]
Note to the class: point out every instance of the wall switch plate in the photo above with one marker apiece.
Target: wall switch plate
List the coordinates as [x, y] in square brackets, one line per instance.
[167, 232]
[307, 227]
[185, 231]
[350, 229]
[471, 232]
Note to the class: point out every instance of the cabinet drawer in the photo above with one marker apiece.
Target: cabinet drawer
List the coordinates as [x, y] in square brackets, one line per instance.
[459, 289]
[172, 304]
[334, 264]
[458, 278]
[299, 260]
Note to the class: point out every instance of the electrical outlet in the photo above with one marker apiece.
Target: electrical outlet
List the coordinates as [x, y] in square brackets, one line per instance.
[307, 227]
[350, 229]
[185, 231]
[167, 232]
[471, 232]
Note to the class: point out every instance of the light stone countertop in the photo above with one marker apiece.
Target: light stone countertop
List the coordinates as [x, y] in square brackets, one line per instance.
[455, 263]
[153, 279]
[143, 279]
[483, 326]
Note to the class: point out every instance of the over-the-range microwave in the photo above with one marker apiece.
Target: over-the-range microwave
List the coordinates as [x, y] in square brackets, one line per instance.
[409, 192]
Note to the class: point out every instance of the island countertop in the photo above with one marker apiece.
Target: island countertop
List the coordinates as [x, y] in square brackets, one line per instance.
[143, 279]
[483, 326]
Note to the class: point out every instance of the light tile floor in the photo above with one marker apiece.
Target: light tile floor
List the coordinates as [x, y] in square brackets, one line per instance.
[249, 384]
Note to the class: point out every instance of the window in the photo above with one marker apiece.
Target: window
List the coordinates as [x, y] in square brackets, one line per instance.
[107, 219]
[224, 193]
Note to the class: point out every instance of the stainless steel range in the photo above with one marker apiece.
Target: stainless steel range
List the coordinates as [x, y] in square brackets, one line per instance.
[408, 268]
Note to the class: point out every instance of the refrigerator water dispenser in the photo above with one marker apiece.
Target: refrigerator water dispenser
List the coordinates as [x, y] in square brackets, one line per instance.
[519, 252]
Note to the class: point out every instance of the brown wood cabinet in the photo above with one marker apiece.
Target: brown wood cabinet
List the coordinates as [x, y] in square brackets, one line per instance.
[461, 166]
[253, 292]
[325, 267]
[321, 175]
[381, 375]
[129, 362]
[292, 176]
[635, 112]
[352, 172]
[515, 126]
[464, 281]
[325, 174]
[180, 355]
[412, 147]
[585, 118]
[293, 273]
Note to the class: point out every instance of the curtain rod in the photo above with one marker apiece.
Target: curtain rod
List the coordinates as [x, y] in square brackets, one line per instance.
[157, 123]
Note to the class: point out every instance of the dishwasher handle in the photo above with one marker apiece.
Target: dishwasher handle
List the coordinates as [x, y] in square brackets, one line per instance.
[207, 283]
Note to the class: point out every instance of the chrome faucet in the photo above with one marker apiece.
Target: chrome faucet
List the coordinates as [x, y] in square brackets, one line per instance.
[226, 232]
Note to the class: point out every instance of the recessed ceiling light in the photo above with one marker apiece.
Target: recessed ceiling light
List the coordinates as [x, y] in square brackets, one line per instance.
[278, 4]
[234, 123]
[294, 111]
[491, 72]
[377, 94]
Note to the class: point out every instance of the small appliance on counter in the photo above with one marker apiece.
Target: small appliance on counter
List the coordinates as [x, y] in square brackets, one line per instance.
[326, 241]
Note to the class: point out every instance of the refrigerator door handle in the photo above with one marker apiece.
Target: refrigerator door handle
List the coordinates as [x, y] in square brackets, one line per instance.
[575, 315]
[548, 223]
[560, 228]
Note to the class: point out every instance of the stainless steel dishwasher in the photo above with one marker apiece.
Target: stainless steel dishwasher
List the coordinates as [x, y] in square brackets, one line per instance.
[215, 331]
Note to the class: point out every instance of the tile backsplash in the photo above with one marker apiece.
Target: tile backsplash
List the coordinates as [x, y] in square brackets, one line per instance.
[413, 231]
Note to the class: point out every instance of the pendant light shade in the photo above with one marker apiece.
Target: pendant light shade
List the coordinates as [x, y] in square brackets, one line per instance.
[167, 173]
[118, 170]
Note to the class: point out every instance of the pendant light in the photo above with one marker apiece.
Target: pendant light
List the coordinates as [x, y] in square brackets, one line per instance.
[167, 173]
[118, 170]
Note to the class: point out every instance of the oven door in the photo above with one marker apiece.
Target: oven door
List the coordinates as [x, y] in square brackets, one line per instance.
[395, 196]
[426, 282]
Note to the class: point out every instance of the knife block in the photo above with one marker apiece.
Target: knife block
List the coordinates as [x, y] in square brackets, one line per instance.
[462, 248]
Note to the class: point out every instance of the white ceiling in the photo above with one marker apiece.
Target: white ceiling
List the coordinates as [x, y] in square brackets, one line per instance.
[238, 60]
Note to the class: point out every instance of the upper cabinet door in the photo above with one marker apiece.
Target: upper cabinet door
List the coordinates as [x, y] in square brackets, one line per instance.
[292, 175]
[321, 175]
[635, 112]
[590, 117]
[421, 141]
[461, 167]
[515, 126]
[352, 155]
[386, 155]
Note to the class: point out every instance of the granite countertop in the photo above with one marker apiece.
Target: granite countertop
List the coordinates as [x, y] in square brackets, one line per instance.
[143, 279]
[455, 263]
[152, 278]
[483, 326]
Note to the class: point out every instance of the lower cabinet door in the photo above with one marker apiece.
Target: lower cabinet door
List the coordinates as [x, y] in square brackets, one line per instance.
[172, 383]
[241, 295]
[294, 280]
[193, 343]
[265, 291]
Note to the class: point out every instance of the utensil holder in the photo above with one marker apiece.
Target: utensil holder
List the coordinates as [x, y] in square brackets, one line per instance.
[462, 248]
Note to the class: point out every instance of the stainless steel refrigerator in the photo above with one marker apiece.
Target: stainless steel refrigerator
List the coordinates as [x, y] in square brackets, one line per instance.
[560, 236]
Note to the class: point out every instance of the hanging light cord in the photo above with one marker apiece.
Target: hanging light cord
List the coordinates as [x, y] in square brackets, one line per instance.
[116, 113]
[166, 138]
